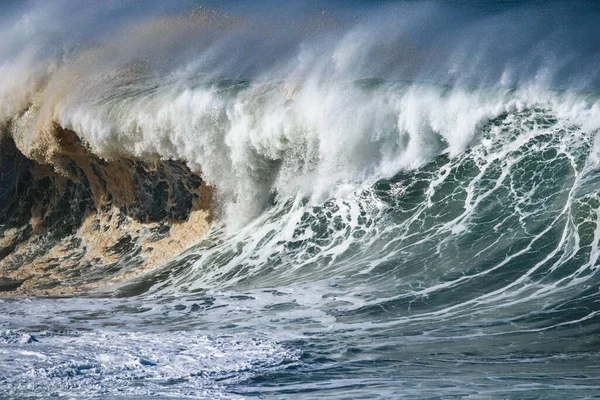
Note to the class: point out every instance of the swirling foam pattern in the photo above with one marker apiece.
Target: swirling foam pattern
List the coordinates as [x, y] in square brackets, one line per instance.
[324, 201]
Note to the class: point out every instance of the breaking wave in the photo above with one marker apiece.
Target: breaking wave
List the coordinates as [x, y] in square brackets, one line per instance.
[426, 172]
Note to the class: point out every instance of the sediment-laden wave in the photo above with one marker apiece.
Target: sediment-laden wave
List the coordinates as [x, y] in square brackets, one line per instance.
[72, 219]
[380, 200]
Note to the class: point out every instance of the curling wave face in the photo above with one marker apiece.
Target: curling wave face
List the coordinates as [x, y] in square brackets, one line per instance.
[344, 208]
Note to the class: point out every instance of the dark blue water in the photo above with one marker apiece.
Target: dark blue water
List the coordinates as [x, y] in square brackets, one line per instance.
[406, 200]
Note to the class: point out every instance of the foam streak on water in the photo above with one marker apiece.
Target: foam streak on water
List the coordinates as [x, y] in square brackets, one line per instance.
[349, 201]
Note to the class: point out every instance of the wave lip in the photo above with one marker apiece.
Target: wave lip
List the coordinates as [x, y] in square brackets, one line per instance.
[366, 200]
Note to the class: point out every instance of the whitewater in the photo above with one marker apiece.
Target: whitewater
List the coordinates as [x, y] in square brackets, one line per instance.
[311, 200]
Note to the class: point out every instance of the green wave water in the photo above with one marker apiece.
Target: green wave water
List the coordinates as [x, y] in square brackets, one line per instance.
[429, 233]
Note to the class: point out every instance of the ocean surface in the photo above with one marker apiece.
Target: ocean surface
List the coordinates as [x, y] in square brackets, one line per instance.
[300, 200]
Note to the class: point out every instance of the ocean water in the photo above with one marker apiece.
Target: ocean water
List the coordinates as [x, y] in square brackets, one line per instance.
[311, 200]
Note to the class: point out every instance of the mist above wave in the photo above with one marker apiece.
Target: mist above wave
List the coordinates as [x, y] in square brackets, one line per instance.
[305, 99]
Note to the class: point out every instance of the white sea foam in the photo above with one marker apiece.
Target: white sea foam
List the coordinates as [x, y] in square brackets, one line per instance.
[308, 123]
[405, 189]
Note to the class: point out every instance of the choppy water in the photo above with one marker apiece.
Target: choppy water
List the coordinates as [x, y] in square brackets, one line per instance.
[406, 203]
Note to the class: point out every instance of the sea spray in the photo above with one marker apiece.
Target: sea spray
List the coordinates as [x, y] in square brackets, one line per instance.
[317, 200]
